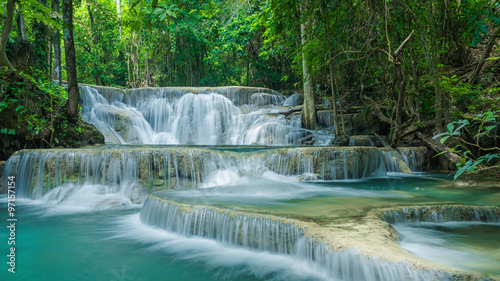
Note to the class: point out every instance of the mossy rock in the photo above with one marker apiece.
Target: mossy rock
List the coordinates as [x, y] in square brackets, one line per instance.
[79, 134]
[366, 123]
[23, 96]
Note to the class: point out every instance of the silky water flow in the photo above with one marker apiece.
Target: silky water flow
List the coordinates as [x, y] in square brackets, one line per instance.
[217, 184]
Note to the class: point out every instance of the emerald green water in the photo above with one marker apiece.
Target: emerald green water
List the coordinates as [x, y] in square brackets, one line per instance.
[114, 245]
[55, 242]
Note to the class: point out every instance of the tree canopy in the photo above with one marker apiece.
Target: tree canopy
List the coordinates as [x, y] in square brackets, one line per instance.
[414, 64]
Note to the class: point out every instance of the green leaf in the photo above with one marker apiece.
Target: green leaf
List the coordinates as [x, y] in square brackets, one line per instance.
[460, 172]
[491, 156]
[450, 127]
[437, 136]
[489, 128]
[443, 139]
[493, 58]
[488, 115]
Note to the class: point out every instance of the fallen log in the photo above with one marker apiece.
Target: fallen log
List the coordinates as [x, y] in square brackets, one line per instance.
[438, 147]
[287, 113]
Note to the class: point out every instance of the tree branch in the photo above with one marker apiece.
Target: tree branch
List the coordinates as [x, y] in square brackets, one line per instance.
[378, 112]
[401, 47]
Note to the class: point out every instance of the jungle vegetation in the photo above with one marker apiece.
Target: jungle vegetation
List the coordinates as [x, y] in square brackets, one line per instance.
[423, 68]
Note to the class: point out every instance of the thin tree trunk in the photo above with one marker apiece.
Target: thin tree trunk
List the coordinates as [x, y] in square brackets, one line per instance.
[248, 73]
[56, 42]
[97, 74]
[51, 75]
[330, 66]
[128, 68]
[119, 12]
[69, 48]
[400, 79]
[486, 54]
[309, 110]
[341, 110]
[434, 69]
[22, 23]
[6, 29]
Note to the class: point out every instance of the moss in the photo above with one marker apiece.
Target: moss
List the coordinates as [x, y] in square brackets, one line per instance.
[17, 92]
[366, 123]
[29, 110]
[78, 134]
[485, 178]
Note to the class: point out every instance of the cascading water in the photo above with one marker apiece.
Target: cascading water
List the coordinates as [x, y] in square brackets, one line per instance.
[207, 118]
[259, 213]
[440, 233]
[274, 235]
[134, 171]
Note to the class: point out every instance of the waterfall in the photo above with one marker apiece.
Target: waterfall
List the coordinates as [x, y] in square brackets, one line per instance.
[195, 116]
[237, 230]
[451, 235]
[294, 100]
[155, 168]
[437, 214]
[274, 235]
[341, 163]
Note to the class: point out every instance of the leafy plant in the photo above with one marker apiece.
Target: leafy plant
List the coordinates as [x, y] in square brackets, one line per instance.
[35, 118]
[481, 126]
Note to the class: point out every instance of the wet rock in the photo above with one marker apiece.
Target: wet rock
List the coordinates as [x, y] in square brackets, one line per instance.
[364, 140]
[79, 134]
[341, 141]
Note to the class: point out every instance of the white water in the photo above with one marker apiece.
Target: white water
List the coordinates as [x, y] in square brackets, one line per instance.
[97, 179]
[145, 168]
[438, 242]
[263, 265]
[164, 117]
[75, 198]
[270, 235]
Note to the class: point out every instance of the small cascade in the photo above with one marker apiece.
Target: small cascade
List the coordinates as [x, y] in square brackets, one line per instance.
[362, 140]
[294, 100]
[262, 234]
[463, 237]
[39, 171]
[325, 121]
[274, 235]
[340, 163]
[266, 127]
[437, 214]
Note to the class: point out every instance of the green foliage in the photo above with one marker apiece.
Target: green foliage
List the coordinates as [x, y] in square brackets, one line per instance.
[469, 99]
[37, 11]
[35, 111]
[483, 125]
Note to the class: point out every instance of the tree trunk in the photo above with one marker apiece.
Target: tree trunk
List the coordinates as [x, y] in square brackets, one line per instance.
[401, 84]
[486, 54]
[6, 29]
[438, 147]
[22, 24]
[434, 69]
[119, 12]
[56, 42]
[330, 69]
[69, 48]
[97, 73]
[309, 110]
